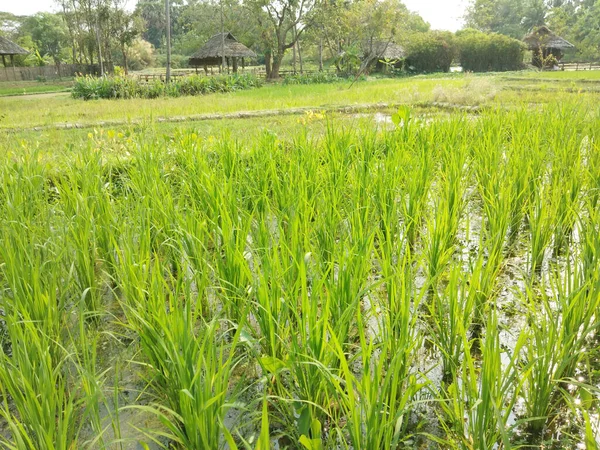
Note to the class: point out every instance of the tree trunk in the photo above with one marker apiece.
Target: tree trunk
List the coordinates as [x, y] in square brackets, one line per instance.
[274, 75]
[268, 63]
[321, 55]
[125, 65]
[294, 50]
[300, 56]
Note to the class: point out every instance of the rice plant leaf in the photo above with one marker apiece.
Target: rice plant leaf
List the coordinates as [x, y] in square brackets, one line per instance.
[264, 439]
[272, 364]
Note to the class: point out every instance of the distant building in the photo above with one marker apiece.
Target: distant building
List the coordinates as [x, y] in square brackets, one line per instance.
[211, 54]
[547, 47]
[10, 49]
[385, 54]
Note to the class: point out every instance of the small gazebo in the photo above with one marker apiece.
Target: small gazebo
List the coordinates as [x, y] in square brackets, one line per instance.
[8, 48]
[217, 46]
[545, 44]
[384, 51]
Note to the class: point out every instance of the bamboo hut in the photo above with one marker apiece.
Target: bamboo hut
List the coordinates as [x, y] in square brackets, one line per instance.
[10, 49]
[217, 46]
[547, 47]
[385, 54]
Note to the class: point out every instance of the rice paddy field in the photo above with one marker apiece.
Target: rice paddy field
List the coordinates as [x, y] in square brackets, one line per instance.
[421, 274]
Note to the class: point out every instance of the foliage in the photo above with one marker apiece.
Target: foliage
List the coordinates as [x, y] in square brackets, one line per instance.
[92, 88]
[482, 52]
[49, 35]
[312, 78]
[431, 52]
[141, 55]
[327, 276]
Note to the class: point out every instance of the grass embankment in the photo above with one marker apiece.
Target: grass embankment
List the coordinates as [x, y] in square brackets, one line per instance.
[435, 284]
[14, 88]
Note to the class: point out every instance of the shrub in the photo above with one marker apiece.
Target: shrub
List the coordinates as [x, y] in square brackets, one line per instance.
[312, 78]
[482, 52]
[432, 51]
[89, 88]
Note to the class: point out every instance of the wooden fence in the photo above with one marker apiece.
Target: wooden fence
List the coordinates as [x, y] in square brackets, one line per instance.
[576, 66]
[46, 72]
[260, 72]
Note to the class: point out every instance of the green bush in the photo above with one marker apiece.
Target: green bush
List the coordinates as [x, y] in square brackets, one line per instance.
[432, 51]
[312, 78]
[483, 52]
[89, 88]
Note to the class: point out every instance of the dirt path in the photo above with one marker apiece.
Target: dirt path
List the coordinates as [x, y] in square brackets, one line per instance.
[346, 109]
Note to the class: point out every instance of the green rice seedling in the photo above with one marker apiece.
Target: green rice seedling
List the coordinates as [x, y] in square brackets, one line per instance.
[377, 404]
[306, 397]
[565, 185]
[86, 371]
[273, 296]
[231, 264]
[80, 235]
[591, 170]
[418, 176]
[518, 174]
[451, 314]
[478, 404]
[588, 255]
[449, 206]
[191, 365]
[41, 413]
[541, 227]
[558, 341]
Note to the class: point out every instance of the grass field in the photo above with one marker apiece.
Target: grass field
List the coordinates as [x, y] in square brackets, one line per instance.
[425, 276]
[11, 88]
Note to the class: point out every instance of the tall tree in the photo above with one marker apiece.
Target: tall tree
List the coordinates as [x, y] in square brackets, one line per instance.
[48, 34]
[282, 17]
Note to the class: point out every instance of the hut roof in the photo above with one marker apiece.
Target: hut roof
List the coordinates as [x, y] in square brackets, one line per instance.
[543, 37]
[384, 50]
[10, 48]
[212, 49]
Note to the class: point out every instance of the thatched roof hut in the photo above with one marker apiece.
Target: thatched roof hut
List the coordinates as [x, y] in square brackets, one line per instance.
[384, 50]
[212, 52]
[542, 37]
[546, 46]
[8, 48]
[379, 51]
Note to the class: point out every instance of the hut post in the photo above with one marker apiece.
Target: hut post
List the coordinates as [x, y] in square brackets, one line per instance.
[235, 64]
[12, 63]
[243, 64]
[320, 54]
[4, 61]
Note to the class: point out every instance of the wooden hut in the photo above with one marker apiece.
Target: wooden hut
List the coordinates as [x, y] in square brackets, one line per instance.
[212, 52]
[8, 48]
[384, 52]
[547, 47]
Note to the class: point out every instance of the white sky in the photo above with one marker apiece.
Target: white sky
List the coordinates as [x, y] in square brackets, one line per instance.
[441, 14]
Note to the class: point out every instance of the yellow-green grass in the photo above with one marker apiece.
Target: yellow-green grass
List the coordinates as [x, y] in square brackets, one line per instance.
[33, 87]
[31, 112]
[312, 282]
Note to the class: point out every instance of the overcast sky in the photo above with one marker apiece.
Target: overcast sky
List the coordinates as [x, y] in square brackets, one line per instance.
[441, 14]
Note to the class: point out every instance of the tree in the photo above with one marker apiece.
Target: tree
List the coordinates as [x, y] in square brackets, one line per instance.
[126, 27]
[514, 18]
[48, 34]
[352, 29]
[287, 21]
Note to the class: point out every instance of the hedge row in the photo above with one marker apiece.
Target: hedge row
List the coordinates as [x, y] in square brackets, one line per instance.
[89, 88]
[483, 52]
[476, 51]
